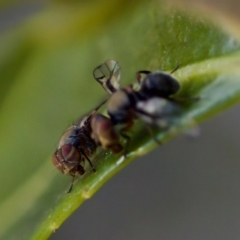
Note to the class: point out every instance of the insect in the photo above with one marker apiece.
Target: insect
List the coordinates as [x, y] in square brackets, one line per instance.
[75, 146]
[80, 141]
[151, 102]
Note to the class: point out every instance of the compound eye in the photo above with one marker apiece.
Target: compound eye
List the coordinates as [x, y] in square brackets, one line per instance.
[56, 161]
[66, 158]
[70, 154]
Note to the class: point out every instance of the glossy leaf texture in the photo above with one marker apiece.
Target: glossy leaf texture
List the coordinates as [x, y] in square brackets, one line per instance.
[46, 84]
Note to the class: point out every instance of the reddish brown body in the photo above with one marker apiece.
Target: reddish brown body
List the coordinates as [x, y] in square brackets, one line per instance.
[75, 147]
[80, 141]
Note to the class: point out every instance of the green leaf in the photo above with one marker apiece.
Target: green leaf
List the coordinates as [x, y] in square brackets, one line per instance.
[47, 83]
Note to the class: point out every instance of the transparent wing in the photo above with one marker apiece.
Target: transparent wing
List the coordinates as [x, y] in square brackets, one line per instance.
[165, 114]
[108, 75]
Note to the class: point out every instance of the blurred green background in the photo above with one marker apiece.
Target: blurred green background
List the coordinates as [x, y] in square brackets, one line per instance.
[184, 190]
